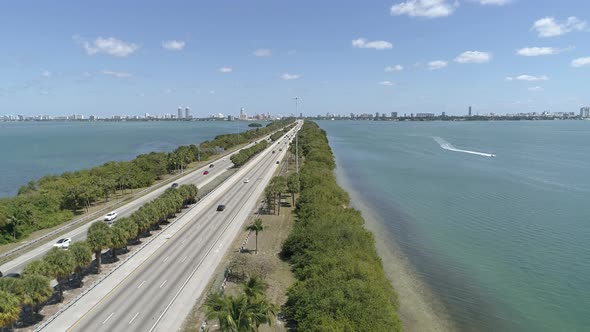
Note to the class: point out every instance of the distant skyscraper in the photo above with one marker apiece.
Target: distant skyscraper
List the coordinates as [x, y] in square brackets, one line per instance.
[301, 115]
[585, 112]
[443, 114]
[469, 114]
[180, 112]
[187, 112]
[393, 115]
[376, 114]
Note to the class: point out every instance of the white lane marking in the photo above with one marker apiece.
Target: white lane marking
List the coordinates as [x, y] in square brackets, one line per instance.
[143, 282]
[185, 257]
[162, 285]
[111, 315]
[183, 241]
[132, 319]
[165, 259]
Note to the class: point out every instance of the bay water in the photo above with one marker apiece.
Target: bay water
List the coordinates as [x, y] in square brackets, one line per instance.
[502, 241]
[30, 150]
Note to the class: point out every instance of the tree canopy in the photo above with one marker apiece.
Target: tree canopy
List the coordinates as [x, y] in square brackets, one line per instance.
[341, 285]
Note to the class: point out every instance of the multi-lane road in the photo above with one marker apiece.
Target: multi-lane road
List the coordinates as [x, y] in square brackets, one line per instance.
[157, 293]
[196, 177]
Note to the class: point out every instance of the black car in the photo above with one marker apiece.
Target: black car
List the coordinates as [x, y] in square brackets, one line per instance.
[12, 275]
[210, 166]
[277, 161]
[220, 207]
[273, 151]
[174, 185]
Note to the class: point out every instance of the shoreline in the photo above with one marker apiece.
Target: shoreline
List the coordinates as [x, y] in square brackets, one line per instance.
[419, 308]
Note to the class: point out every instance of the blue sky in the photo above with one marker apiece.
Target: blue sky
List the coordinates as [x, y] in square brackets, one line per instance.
[409, 56]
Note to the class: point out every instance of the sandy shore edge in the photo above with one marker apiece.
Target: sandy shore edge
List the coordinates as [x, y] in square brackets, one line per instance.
[419, 309]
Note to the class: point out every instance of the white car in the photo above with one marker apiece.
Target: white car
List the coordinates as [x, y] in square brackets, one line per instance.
[63, 243]
[110, 216]
[246, 180]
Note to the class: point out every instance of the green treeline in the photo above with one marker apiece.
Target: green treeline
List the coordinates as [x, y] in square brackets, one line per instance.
[55, 199]
[244, 155]
[341, 285]
[68, 266]
[227, 141]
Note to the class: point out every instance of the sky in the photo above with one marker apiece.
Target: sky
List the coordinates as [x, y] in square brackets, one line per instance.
[406, 56]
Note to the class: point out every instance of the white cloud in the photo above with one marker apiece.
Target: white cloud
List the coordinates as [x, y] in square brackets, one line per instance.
[394, 68]
[580, 62]
[531, 78]
[262, 52]
[386, 83]
[376, 44]
[110, 46]
[438, 64]
[174, 45]
[536, 88]
[549, 27]
[509, 78]
[424, 8]
[536, 51]
[46, 73]
[225, 69]
[473, 57]
[495, 2]
[288, 77]
[116, 74]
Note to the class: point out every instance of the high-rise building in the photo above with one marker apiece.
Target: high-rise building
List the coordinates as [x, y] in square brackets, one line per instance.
[443, 114]
[393, 115]
[585, 112]
[243, 115]
[180, 112]
[187, 113]
[376, 114]
[469, 114]
[352, 115]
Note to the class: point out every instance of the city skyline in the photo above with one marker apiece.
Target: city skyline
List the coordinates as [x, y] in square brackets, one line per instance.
[500, 56]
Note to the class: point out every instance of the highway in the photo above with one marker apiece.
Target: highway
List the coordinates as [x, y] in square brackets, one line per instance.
[183, 265]
[196, 177]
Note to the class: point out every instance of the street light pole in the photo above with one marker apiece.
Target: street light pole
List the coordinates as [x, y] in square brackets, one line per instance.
[296, 139]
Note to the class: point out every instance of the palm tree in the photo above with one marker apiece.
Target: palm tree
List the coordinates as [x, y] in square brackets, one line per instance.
[293, 186]
[256, 227]
[10, 308]
[37, 289]
[118, 238]
[130, 227]
[254, 287]
[261, 311]
[15, 221]
[239, 314]
[38, 267]
[82, 254]
[61, 264]
[99, 238]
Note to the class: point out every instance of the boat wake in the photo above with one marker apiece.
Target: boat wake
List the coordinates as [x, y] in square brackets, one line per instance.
[448, 146]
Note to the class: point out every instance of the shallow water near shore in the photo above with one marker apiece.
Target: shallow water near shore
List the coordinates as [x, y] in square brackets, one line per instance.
[492, 243]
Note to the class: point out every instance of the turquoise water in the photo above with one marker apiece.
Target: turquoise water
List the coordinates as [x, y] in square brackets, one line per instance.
[503, 242]
[30, 150]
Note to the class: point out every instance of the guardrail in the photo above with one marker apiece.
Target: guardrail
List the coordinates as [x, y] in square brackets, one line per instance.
[89, 216]
[101, 279]
[97, 213]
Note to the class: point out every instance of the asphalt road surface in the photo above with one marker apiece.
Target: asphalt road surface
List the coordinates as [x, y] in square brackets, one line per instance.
[196, 177]
[141, 300]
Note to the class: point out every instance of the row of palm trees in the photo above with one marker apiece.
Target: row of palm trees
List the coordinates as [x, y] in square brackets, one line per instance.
[279, 185]
[34, 288]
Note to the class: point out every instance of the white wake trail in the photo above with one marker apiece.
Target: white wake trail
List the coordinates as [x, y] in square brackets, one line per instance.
[448, 146]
